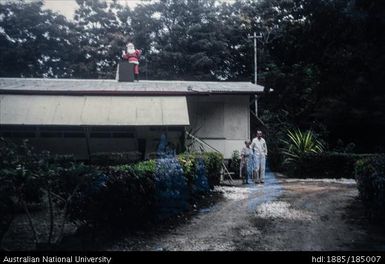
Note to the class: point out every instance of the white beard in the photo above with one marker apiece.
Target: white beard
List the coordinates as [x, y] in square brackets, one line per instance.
[131, 50]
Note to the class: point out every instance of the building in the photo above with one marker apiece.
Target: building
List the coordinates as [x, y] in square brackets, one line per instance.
[82, 117]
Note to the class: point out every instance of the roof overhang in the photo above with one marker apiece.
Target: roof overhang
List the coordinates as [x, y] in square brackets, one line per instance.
[104, 110]
[113, 87]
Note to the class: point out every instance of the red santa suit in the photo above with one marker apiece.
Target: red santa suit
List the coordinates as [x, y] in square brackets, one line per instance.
[133, 55]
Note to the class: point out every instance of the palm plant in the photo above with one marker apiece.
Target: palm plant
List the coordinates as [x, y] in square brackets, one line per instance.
[298, 144]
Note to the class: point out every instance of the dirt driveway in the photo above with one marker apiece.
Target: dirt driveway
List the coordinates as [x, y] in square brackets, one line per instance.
[283, 214]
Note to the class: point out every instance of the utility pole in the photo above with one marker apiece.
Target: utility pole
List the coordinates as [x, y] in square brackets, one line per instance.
[255, 37]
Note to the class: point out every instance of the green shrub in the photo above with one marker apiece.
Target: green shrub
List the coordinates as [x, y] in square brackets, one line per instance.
[172, 190]
[325, 165]
[98, 196]
[114, 158]
[121, 196]
[103, 196]
[370, 176]
[147, 167]
[28, 177]
[7, 212]
[188, 162]
[235, 163]
[275, 160]
[299, 144]
[129, 195]
[201, 183]
[61, 159]
[20, 170]
[20, 181]
[342, 148]
[195, 171]
[111, 196]
[74, 178]
[213, 162]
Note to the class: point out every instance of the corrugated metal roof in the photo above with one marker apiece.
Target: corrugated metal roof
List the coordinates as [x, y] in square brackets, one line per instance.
[86, 86]
[93, 110]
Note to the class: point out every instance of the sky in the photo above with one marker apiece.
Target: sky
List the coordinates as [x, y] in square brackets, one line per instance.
[67, 7]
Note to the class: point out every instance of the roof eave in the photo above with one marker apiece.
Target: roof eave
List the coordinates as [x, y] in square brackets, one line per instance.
[123, 93]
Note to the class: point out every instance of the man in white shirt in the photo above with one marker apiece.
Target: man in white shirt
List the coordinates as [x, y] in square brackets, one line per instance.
[259, 147]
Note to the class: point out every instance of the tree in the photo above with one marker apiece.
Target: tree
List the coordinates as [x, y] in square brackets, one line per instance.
[102, 35]
[326, 70]
[188, 42]
[34, 42]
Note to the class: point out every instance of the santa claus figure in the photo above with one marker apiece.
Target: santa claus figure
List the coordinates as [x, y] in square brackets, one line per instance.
[133, 55]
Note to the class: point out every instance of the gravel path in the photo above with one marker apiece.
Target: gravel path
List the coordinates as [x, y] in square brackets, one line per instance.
[282, 214]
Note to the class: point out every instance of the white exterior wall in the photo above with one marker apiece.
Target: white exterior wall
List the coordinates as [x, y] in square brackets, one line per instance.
[93, 110]
[222, 121]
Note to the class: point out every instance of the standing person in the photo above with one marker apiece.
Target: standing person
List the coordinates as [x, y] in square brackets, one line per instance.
[133, 56]
[260, 152]
[245, 161]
